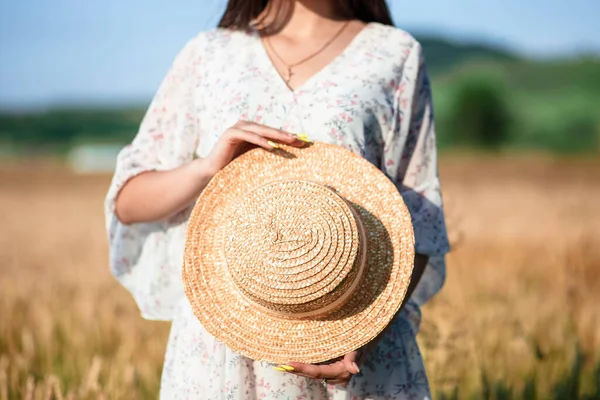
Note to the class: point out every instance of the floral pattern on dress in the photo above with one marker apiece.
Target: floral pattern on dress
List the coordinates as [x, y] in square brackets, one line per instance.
[373, 99]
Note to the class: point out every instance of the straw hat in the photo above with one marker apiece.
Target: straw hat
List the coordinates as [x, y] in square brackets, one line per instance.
[299, 254]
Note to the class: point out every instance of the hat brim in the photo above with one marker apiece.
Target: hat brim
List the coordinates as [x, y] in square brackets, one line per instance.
[231, 319]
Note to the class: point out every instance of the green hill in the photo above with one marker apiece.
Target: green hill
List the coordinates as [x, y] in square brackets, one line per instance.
[443, 55]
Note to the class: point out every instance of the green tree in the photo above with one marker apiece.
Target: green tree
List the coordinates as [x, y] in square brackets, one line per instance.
[480, 116]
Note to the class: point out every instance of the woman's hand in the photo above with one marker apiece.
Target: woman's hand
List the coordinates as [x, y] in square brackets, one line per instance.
[336, 373]
[241, 137]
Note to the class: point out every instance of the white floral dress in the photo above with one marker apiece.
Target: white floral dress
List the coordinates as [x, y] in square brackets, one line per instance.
[373, 99]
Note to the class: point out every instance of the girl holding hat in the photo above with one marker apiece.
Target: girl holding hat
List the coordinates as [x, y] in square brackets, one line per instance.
[277, 75]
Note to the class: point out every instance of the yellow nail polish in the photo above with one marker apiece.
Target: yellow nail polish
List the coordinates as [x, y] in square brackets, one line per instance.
[303, 137]
[272, 144]
[279, 369]
[356, 366]
[287, 367]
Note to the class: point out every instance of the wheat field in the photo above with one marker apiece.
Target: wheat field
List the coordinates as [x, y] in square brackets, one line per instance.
[519, 316]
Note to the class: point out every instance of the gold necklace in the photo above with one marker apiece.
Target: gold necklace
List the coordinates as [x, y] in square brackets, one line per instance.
[290, 67]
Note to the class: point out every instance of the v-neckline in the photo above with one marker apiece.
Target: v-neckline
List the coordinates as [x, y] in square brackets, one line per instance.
[276, 75]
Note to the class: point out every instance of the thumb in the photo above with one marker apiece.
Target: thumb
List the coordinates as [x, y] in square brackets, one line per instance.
[349, 362]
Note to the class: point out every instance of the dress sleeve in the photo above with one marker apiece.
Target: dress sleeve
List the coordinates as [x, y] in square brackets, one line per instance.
[410, 155]
[146, 257]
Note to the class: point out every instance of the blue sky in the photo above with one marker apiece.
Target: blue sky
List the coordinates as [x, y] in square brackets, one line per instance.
[115, 51]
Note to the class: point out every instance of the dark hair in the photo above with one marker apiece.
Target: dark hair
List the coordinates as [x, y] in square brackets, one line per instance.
[239, 14]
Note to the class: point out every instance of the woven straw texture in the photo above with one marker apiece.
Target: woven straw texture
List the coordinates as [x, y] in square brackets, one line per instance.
[298, 254]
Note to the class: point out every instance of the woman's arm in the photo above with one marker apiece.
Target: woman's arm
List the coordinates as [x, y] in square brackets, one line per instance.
[156, 195]
[421, 261]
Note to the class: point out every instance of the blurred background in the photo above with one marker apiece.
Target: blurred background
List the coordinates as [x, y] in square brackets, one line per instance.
[517, 97]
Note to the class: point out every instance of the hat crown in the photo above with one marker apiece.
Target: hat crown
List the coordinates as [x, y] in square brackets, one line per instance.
[295, 248]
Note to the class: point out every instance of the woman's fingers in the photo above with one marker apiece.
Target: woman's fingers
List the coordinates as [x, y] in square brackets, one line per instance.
[334, 373]
[350, 362]
[328, 371]
[241, 135]
[270, 133]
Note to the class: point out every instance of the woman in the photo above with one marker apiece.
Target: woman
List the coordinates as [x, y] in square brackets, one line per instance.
[279, 71]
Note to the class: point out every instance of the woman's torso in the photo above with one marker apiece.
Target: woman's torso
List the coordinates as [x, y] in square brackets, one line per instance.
[352, 102]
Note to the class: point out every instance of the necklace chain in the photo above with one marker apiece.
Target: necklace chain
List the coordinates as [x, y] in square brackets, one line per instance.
[290, 67]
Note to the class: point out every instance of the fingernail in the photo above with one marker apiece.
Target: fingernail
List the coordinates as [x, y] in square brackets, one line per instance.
[279, 369]
[272, 144]
[287, 367]
[356, 366]
[303, 137]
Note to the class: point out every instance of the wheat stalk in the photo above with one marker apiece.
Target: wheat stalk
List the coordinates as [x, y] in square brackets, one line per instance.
[29, 388]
